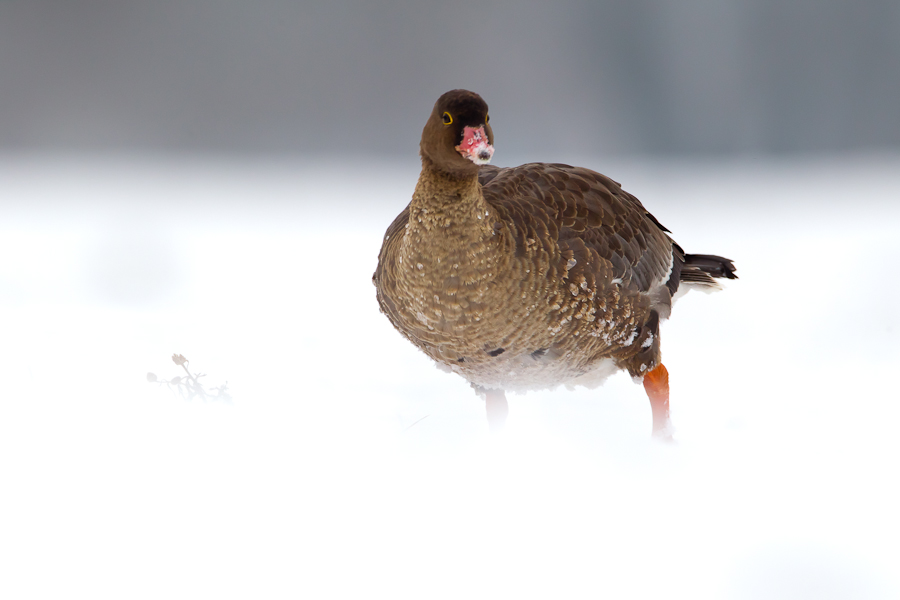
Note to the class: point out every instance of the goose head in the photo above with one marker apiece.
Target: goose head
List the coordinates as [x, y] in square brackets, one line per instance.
[457, 137]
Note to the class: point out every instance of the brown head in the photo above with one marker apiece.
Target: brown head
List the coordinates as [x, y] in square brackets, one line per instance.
[457, 137]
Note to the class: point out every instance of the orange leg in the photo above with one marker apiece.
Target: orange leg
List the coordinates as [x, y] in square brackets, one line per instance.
[656, 383]
[497, 409]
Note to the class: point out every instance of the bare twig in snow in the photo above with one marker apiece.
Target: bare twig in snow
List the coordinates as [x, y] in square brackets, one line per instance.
[189, 387]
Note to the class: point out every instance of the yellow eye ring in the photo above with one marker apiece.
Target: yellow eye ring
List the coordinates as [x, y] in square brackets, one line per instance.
[487, 118]
[446, 118]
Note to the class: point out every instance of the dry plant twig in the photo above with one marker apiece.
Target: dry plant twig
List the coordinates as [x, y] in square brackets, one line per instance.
[189, 386]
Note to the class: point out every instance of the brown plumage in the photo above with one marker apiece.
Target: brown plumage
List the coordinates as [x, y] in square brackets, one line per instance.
[529, 277]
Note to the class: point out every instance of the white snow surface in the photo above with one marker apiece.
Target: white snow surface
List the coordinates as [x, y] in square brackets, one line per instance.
[348, 466]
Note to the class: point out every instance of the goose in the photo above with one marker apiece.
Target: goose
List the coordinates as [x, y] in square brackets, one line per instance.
[530, 277]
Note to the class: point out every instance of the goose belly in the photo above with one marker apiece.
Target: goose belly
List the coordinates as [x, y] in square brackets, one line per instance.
[513, 332]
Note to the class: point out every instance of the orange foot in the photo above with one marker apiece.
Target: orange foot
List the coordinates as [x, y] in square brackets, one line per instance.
[656, 383]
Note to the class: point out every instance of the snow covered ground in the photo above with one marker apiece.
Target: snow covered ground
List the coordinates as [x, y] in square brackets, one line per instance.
[348, 466]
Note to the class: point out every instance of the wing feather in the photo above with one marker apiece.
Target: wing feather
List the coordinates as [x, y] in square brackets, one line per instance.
[584, 212]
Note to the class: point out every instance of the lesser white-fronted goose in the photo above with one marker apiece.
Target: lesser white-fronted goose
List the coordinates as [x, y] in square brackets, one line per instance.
[529, 277]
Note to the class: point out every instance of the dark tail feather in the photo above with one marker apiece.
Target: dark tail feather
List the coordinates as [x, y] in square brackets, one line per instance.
[703, 268]
[715, 266]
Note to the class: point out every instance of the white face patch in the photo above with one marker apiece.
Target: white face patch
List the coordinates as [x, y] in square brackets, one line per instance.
[482, 158]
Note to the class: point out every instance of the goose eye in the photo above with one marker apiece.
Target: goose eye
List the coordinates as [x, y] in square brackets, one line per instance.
[446, 118]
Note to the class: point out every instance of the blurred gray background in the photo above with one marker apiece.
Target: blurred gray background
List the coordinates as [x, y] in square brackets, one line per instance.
[357, 77]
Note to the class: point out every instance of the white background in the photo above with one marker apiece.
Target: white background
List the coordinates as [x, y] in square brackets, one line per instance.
[783, 483]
